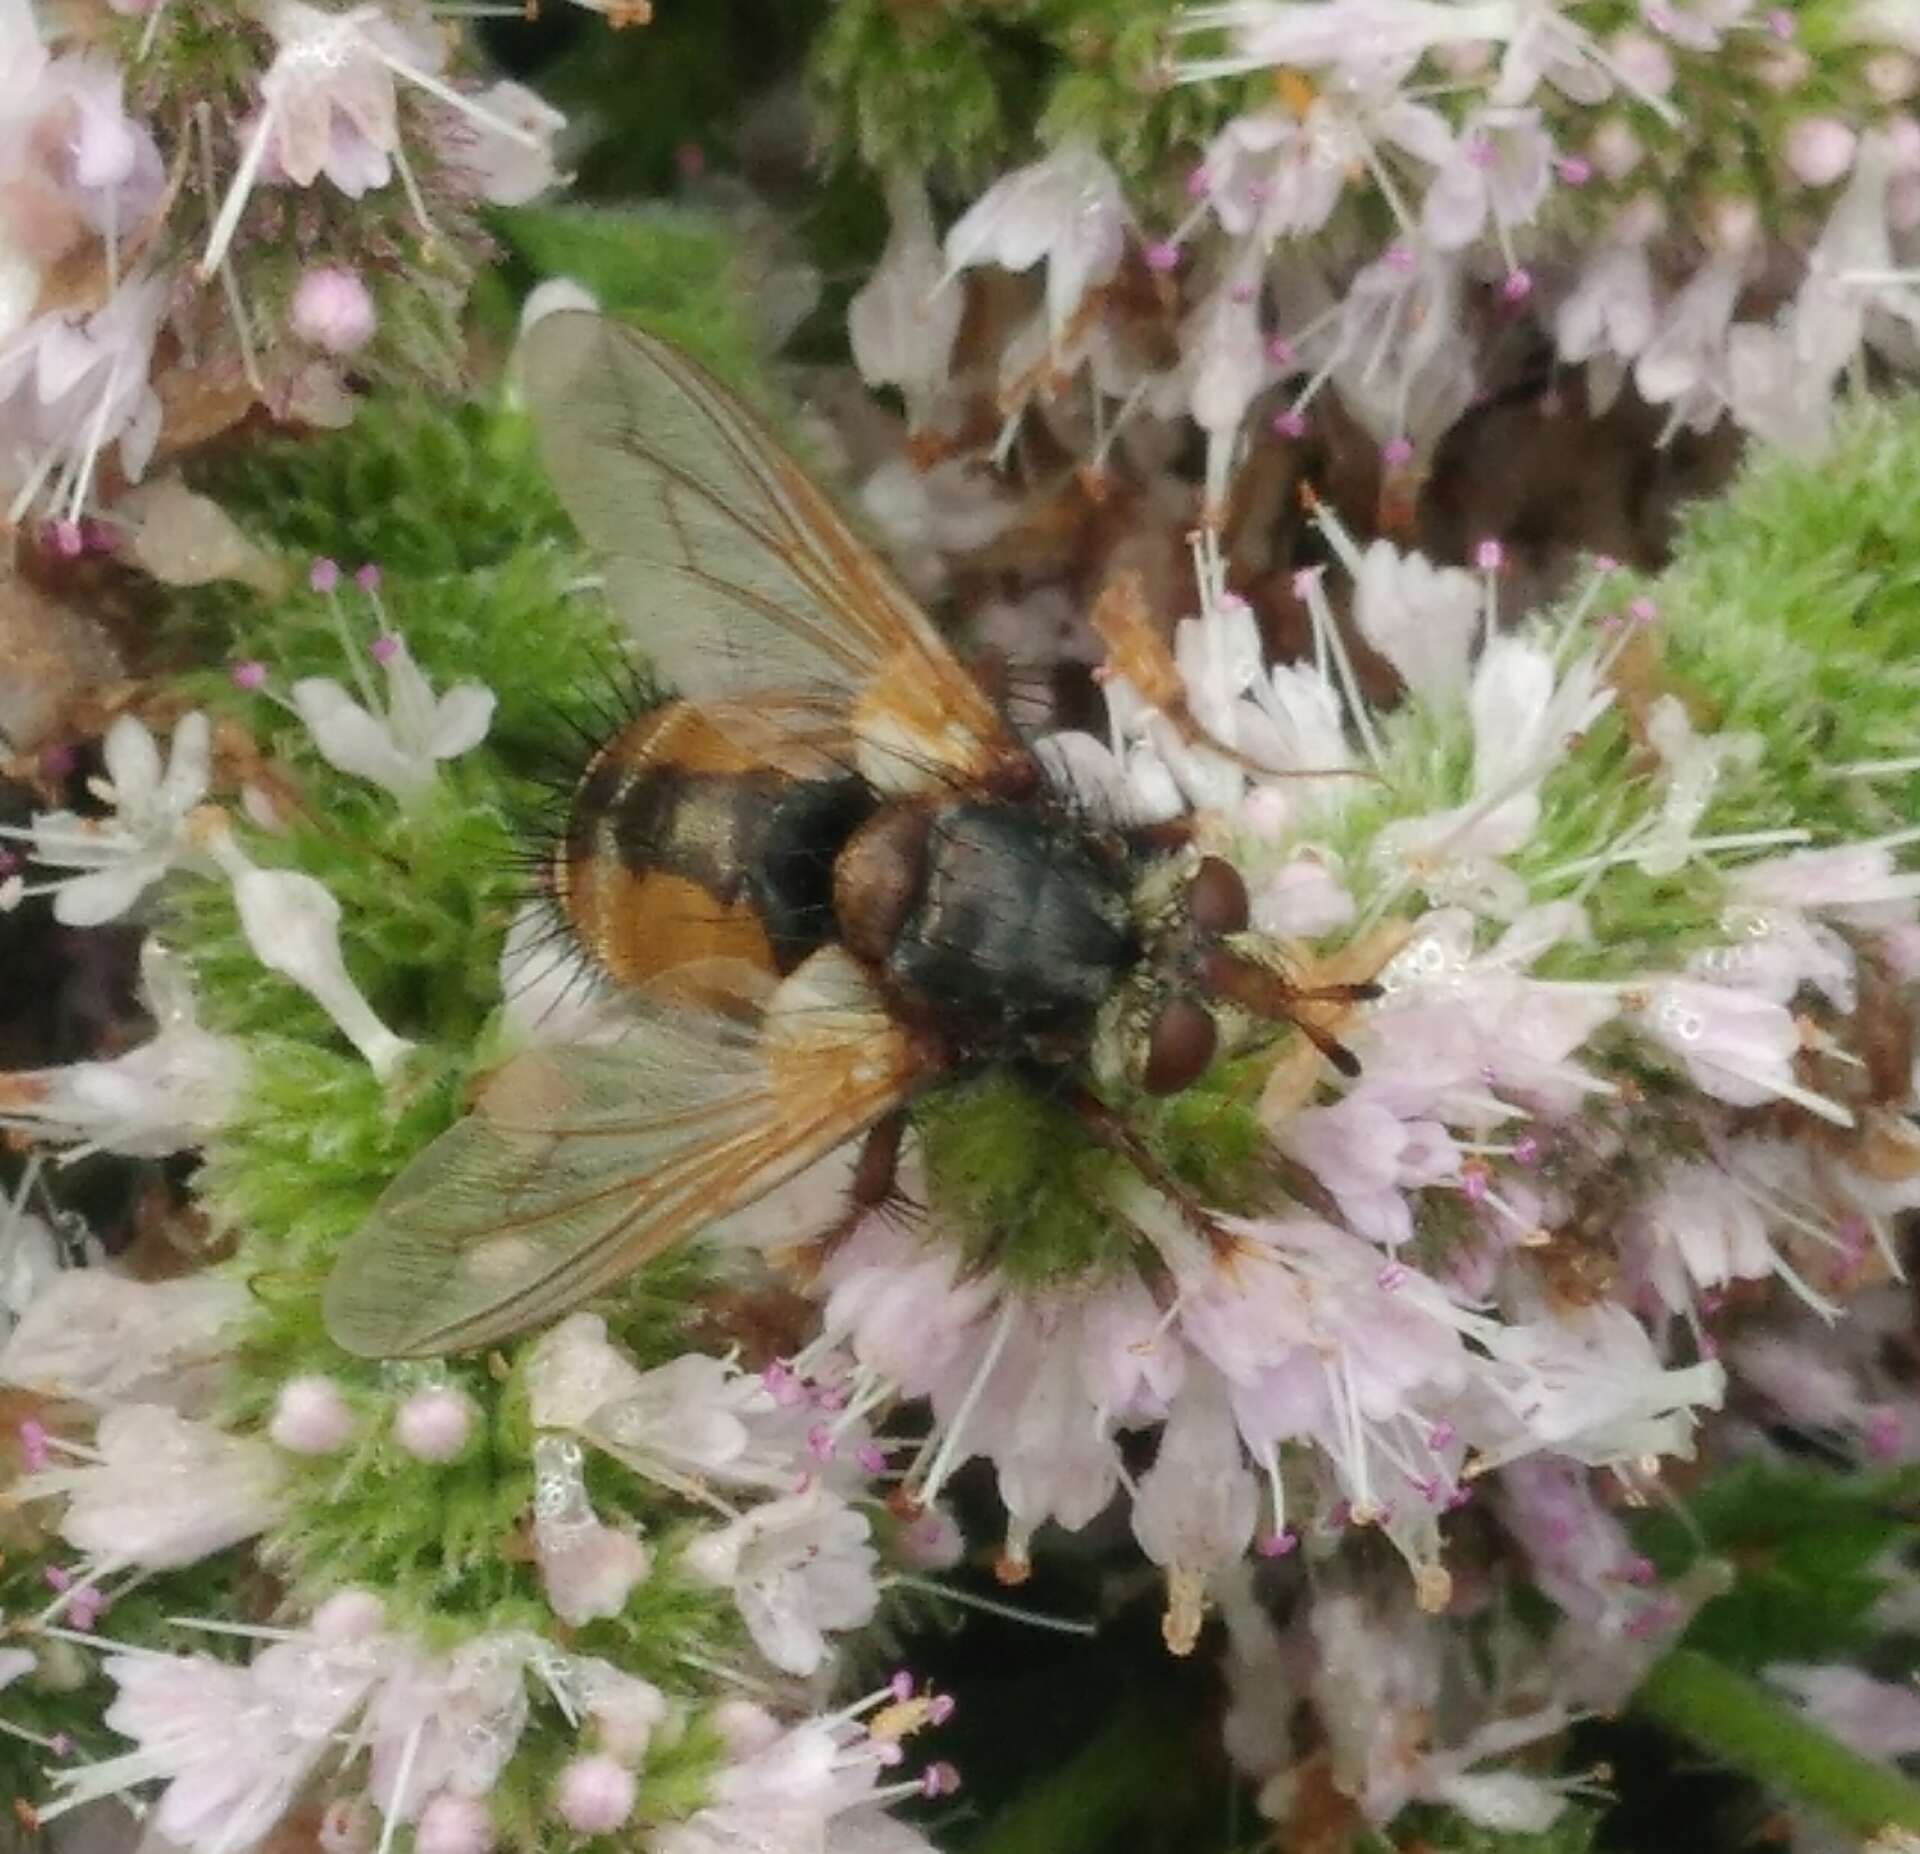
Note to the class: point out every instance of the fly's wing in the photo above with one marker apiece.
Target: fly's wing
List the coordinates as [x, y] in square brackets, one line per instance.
[577, 1164]
[732, 568]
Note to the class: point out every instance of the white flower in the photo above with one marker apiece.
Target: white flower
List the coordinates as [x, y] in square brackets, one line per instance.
[797, 1568]
[1886, 22]
[1878, 1718]
[1501, 168]
[1697, 24]
[1718, 1232]
[164, 1492]
[1693, 764]
[1684, 364]
[901, 323]
[169, 1093]
[122, 856]
[328, 105]
[235, 1746]
[1195, 1508]
[1609, 313]
[1397, 349]
[1523, 716]
[1588, 1385]
[1066, 210]
[1367, 39]
[447, 1722]
[1736, 1047]
[587, 1568]
[1858, 884]
[510, 169]
[98, 1337]
[955, 508]
[29, 1262]
[70, 385]
[397, 748]
[1225, 364]
[684, 1423]
[292, 924]
[1420, 617]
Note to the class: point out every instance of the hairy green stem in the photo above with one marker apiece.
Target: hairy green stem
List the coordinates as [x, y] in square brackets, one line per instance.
[1744, 1725]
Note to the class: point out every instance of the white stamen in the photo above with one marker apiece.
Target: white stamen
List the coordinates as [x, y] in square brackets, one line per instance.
[943, 1459]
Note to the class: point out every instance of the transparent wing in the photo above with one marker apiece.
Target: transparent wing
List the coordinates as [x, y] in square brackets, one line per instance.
[577, 1164]
[732, 568]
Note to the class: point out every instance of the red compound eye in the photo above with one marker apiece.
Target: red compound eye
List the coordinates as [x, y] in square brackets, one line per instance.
[1217, 901]
[1180, 1046]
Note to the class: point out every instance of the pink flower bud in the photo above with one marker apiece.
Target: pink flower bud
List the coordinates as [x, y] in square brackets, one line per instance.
[349, 1616]
[1644, 63]
[1733, 226]
[1892, 76]
[1397, 453]
[310, 1416]
[451, 1824]
[1783, 69]
[1162, 255]
[367, 577]
[1199, 184]
[333, 310]
[1290, 424]
[1615, 149]
[433, 1425]
[1518, 286]
[1574, 170]
[1489, 556]
[594, 1795]
[1819, 150]
[384, 648]
[250, 674]
[324, 575]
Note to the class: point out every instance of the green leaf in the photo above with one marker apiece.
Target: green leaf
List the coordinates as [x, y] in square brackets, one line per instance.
[1804, 1545]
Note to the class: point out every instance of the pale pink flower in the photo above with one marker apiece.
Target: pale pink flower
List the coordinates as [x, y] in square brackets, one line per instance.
[1370, 1158]
[507, 168]
[451, 1722]
[72, 383]
[163, 1492]
[807, 1788]
[235, 1746]
[1303, 900]
[1500, 170]
[1065, 210]
[902, 323]
[692, 1420]
[587, 1568]
[1368, 40]
[332, 309]
[1423, 619]
[164, 1095]
[1684, 362]
[328, 106]
[1578, 1551]
[1194, 1509]
[1734, 1046]
[1858, 884]
[98, 1337]
[292, 923]
[1589, 1386]
[1877, 1718]
[398, 743]
[797, 1568]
